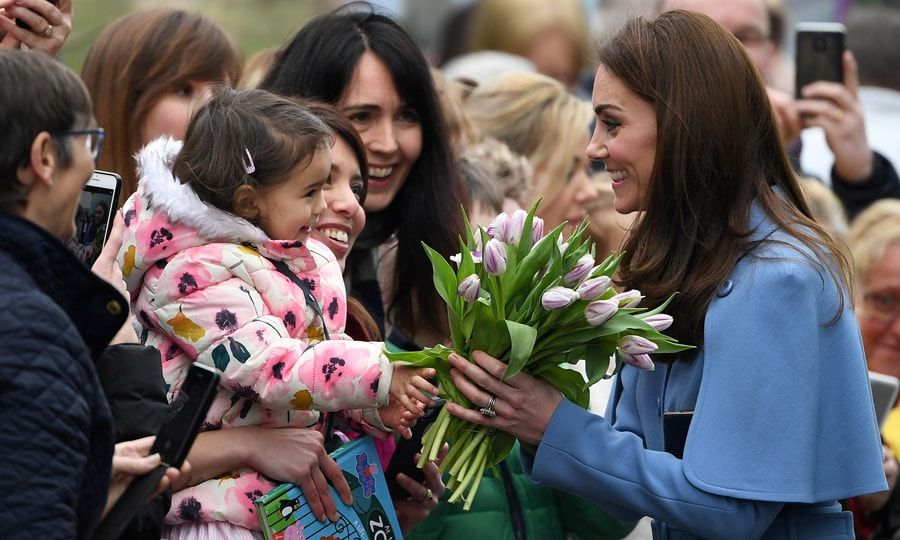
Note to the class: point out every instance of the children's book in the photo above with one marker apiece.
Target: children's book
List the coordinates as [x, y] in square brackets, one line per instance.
[285, 514]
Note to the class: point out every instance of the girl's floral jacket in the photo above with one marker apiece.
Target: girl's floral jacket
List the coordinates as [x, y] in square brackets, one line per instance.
[204, 288]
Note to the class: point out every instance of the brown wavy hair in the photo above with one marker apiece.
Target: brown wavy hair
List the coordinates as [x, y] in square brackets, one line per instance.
[717, 151]
[138, 59]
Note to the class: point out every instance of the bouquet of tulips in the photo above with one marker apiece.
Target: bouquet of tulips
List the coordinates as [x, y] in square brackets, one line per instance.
[536, 302]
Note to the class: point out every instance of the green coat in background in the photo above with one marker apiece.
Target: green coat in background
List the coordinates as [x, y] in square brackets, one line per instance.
[548, 513]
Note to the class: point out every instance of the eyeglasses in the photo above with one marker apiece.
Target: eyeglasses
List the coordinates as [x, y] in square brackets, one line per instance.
[881, 306]
[94, 141]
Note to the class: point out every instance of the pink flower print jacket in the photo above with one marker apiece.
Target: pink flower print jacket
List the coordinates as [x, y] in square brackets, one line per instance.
[204, 288]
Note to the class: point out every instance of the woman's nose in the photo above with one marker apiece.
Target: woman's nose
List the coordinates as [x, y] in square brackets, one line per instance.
[383, 138]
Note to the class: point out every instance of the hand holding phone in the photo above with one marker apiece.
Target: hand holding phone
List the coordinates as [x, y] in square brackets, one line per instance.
[820, 51]
[94, 217]
[828, 87]
[173, 442]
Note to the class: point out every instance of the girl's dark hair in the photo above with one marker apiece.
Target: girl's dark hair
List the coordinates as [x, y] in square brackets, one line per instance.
[235, 129]
[707, 172]
[137, 60]
[343, 128]
[319, 63]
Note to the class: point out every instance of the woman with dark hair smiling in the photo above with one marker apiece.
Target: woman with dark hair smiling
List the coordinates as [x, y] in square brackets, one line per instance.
[758, 431]
[368, 66]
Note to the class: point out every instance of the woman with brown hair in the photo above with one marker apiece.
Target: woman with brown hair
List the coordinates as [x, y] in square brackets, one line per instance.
[758, 431]
[146, 73]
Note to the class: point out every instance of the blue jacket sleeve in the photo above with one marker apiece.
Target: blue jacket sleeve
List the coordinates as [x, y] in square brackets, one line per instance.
[44, 429]
[582, 453]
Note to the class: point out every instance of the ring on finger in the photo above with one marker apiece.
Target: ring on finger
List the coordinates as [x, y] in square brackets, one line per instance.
[48, 32]
[488, 410]
[427, 495]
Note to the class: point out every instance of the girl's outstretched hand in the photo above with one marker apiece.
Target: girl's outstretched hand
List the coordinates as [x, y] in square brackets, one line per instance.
[410, 384]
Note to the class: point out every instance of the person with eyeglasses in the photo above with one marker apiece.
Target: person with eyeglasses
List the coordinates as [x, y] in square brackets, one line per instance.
[65, 334]
[874, 241]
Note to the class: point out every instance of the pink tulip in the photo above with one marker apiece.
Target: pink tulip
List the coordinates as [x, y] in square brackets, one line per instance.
[495, 257]
[594, 287]
[600, 311]
[499, 227]
[628, 298]
[634, 345]
[537, 229]
[660, 321]
[468, 288]
[640, 361]
[558, 298]
[516, 223]
[580, 271]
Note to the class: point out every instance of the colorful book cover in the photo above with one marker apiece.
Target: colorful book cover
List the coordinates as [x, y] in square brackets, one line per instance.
[285, 515]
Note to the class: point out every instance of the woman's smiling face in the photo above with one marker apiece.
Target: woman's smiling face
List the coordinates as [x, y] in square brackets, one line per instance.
[342, 221]
[388, 126]
[624, 138]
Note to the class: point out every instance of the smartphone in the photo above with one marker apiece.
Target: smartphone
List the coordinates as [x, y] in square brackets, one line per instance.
[173, 442]
[22, 24]
[403, 460]
[95, 214]
[819, 54]
[884, 394]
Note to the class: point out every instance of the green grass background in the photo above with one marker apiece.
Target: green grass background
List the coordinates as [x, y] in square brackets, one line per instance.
[255, 24]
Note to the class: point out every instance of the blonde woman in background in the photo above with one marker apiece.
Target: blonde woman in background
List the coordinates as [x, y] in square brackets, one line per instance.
[552, 35]
[538, 118]
[875, 244]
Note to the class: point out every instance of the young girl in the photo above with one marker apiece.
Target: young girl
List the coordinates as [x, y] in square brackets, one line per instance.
[222, 271]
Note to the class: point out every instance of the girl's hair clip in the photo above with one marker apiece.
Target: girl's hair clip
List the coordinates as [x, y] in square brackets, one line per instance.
[249, 166]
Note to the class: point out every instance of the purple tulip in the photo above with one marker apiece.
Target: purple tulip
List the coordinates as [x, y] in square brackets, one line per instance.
[580, 271]
[516, 223]
[558, 298]
[634, 345]
[594, 287]
[640, 361]
[600, 311]
[469, 288]
[659, 322]
[495, 257]
[537, 229]
[499, 227]
[628, 298]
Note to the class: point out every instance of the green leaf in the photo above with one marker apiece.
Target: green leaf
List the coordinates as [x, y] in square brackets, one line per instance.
[525, 240]
[501, 444]
[444, 278]
[466, 263]
[220, 357]
[238, 351]
[659, 309]
[596, 361]
[470, 239]
[569, 382]
[522, 339]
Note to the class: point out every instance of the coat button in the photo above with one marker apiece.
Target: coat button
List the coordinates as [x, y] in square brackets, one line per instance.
[114, 307]
[725, 289]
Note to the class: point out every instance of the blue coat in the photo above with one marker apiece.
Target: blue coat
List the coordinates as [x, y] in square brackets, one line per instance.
[56, 436]
[783, 423]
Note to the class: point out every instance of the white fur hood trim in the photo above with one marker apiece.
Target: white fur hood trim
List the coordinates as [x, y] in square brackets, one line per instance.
[181, 203]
